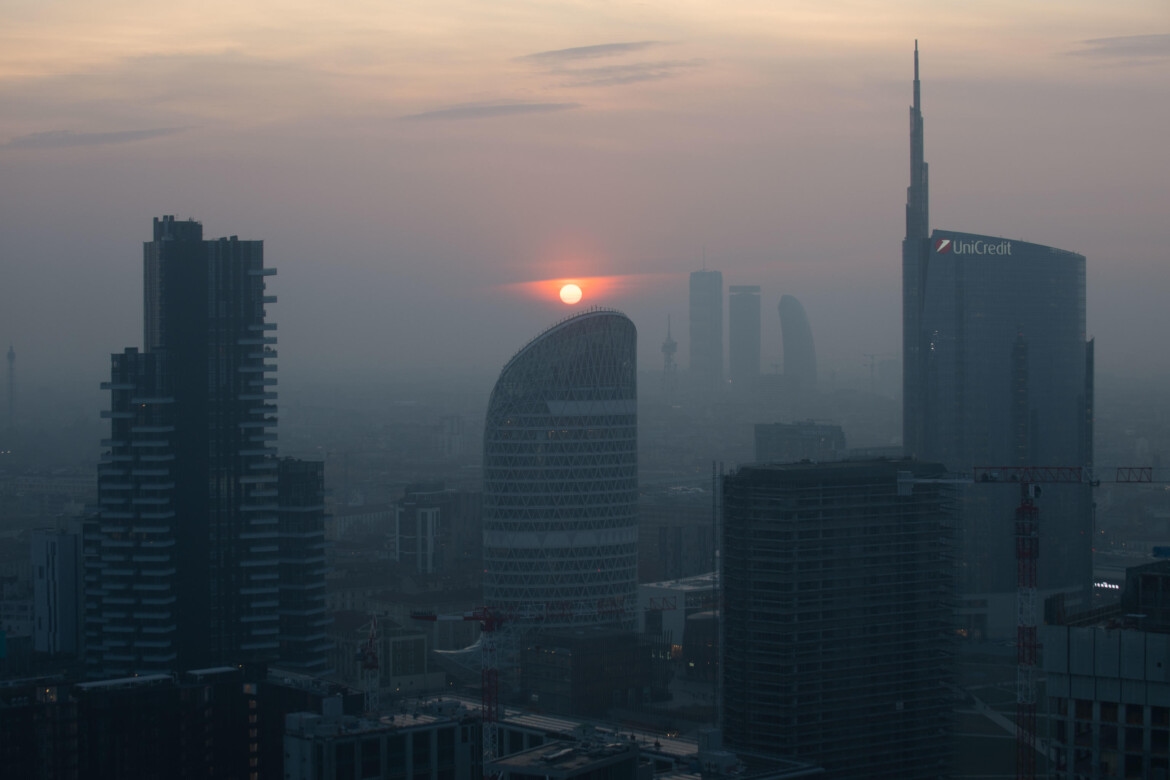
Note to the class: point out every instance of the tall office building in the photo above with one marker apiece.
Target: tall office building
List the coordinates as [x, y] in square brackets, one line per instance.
[743, 329]
[836, 586]
[800, 356]
[184, 556]
[706, 333]
[560, 496]
[997, 373]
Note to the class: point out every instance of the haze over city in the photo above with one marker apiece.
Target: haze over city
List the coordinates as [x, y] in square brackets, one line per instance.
[413, 169]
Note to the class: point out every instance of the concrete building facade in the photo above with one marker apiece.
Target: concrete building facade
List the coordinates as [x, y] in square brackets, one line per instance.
[836, 609]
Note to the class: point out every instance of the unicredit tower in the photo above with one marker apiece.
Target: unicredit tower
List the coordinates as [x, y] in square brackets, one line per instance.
[997, 372]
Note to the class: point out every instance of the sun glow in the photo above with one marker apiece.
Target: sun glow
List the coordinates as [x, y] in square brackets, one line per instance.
[571, 293]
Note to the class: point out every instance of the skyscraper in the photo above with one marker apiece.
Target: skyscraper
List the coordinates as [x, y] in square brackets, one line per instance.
[800, 356]
[914, 275]
[184, 556]
[997, 371]
[743, 328]
[706, 333]
[836, 584]
[560, 496]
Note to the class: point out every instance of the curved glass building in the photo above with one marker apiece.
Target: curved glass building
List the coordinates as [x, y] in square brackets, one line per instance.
[560, 491]
[800, 357]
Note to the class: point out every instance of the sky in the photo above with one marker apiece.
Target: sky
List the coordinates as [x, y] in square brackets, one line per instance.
[423, 173]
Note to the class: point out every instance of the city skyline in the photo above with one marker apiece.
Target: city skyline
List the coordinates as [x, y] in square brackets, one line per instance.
[429, 161]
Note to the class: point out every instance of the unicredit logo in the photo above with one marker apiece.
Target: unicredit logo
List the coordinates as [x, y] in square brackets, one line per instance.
[977, 247]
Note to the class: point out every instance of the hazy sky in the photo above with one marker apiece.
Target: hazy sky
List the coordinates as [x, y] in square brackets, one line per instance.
[412, 166]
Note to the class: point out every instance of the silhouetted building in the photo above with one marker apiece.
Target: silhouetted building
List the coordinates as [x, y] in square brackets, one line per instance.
[792, 442]
[57, 591]
[304, 620]
[706, 333]
[914, 275]
[743, 328]
[184, 555]
[560, 497]
[800, 357]
[836, 604]
[998, 373]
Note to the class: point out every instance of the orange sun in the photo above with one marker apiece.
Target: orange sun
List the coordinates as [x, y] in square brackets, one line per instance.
[570, 293]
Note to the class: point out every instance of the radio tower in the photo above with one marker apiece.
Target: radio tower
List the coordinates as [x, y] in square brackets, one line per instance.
[669, 368]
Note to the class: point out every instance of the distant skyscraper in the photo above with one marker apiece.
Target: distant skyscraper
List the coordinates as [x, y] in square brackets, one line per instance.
[743, 327]
[837, 616]
[800, 357]
[997, 372]
[560, 497]
[706, 332]
[184, 557]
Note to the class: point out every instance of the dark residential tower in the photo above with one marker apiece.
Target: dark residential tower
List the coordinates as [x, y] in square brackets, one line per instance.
[184, 556]
[836, 601]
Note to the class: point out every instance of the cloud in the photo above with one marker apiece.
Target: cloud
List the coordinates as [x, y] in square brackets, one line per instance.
[628, 74]
[1127, 47]
[490, 110]
[62, 139]
[568, 65]
[587, 52]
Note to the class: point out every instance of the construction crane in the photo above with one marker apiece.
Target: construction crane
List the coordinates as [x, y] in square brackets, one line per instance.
[489, 621]
[367, 657]
[1027, 538]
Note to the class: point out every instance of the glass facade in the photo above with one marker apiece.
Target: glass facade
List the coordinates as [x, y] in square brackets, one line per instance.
[1006, 381]
[561, 475]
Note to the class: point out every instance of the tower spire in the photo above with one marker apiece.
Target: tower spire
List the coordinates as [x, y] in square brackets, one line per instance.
[915, 256]
[917, 196]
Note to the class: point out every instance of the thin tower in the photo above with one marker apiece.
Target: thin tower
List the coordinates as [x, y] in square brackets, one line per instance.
[914, 260]
[669, 368]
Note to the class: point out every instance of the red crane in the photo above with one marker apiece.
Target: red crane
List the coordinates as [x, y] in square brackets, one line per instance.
[1027, 534]
[489, 621]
